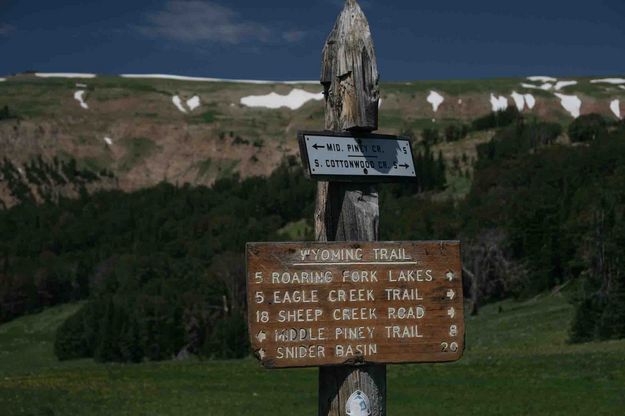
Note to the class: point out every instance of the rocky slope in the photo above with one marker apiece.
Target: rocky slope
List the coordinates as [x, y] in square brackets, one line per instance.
[130, 133]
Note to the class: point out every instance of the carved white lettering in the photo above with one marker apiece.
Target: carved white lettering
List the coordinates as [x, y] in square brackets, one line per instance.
[410, 276]
[296, 296]
[403, 294]
[396, 331]
[351, 295]
[350, 350]
[356, 333]
[300, 315]
[391, 254]
[299, 334]
[359, 276]
[312, 351]
[354, 314]
[331, 255]
[416, 312]
[313, 277]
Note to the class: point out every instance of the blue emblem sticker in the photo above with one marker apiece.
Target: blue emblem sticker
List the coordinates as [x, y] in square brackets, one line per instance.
[358, 404]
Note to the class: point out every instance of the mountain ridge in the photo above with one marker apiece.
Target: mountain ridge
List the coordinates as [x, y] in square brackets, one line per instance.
[146, 129]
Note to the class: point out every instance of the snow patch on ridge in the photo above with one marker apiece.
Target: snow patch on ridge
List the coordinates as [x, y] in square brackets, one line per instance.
[545, 87]
[530, 101]
[206, 79]
[63, 75]
[541, 78]
[498, 103]
[293, 100]
[615, 106]
[571, 103]
[2, 79]
[193, 102]
[519, 100]
[614, 81]
[108, 140]
[178, 103]
[79, 96]
[435, 99]
[562, 84]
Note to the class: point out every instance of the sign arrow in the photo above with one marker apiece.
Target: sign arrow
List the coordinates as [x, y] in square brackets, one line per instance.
[450, 294]
[317, 146]
[451, 312]
[450, 276]
[405, 166]
[261, 354]
[261, 336]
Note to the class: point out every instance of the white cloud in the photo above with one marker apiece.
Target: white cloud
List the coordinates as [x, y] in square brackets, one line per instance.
[293, 36]
[202, 21]
[5, 28]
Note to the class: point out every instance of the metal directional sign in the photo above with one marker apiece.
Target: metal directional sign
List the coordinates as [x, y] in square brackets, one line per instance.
[313, 304]
[355, 157]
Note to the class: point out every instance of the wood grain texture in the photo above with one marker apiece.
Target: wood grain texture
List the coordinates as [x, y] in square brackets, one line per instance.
[337, 383]
[363, 303]
[349, 73]
[347, 212]
[350, 78]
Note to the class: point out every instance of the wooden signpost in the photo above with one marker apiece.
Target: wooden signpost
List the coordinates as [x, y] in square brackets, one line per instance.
[348, 303]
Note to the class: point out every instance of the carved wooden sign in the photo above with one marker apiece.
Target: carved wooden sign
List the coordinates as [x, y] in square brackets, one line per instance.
[351, 157]
[316, 304]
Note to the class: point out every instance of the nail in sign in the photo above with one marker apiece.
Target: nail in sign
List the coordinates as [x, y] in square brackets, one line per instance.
[314, 304]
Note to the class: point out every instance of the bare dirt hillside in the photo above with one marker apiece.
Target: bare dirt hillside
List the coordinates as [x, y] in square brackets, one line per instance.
[132, 133]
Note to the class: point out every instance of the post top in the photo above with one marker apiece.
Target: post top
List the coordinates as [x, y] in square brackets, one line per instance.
[349, 73]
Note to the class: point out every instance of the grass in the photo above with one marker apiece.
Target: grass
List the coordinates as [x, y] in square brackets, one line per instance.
[517, 362]
[26, 343]
[297, 231]
[457, 187]
[207, 117]
[137, 150]
[208, 169]
[226, 168]
[94, 164]
[203, 168]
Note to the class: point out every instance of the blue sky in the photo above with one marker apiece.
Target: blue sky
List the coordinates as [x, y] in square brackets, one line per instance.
[282, 39]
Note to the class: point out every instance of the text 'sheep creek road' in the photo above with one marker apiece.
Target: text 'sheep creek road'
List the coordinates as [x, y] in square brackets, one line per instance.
[314, 304]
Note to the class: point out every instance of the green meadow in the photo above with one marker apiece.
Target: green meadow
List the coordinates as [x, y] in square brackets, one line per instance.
[517, 362]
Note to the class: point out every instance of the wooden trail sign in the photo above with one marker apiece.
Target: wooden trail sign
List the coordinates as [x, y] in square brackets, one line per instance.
[318, 304]
[356, 157]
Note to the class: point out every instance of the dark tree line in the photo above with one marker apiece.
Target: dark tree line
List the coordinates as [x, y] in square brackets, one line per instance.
[539, 216]
[562, 212]
[162, 269]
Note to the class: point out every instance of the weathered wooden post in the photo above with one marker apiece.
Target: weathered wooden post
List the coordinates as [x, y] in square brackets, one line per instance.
[350, 304]
[348, 211]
